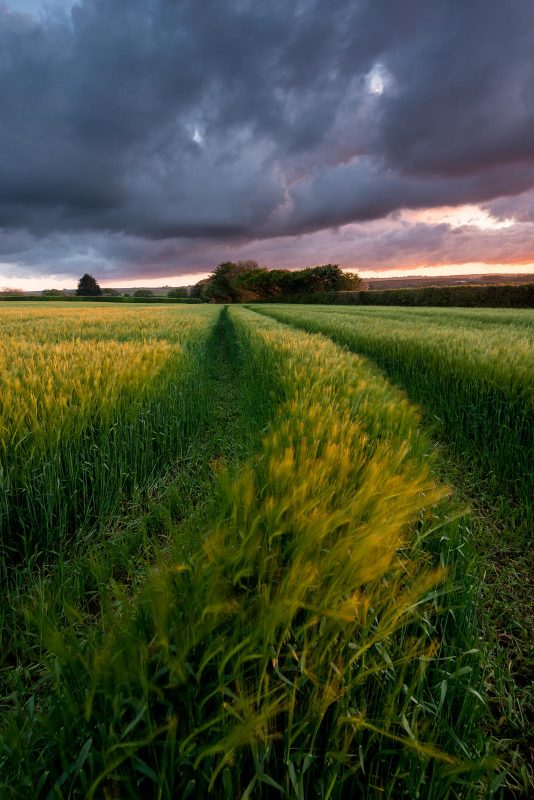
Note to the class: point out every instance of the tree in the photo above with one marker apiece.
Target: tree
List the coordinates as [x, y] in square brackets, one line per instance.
[351, 282]
[197, 291]
[246, 281]
[225, 285]
[110, 292]
[179, 293]
[88, 287]
[52, 293]
[12, 292]
[219, 286]
[143, 293]
[261, 281]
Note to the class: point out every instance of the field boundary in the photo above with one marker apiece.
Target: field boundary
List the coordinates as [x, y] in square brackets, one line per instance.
[500, 296]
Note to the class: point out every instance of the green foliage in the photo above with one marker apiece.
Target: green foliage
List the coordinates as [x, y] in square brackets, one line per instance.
[143, 293]
[506, 296]
[92, 401]
[473, 370]
[316, 641]
[198, 289]
[53, 293]
[179, 291]
[88, 287]
[246, 281]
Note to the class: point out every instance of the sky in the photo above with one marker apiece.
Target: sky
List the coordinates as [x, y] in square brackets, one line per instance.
[146, 141]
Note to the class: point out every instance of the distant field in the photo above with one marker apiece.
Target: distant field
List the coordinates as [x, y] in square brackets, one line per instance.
[237, 558]
[409, 282]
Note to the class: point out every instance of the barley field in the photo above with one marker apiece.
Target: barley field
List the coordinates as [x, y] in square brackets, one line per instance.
[258, 552]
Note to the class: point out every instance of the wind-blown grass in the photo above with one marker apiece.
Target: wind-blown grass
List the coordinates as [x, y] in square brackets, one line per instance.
[319, 643]
[92, 401]
[472, 370]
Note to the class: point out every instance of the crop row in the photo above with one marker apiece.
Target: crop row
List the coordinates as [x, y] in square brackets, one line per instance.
[472, 370]
[91, 403]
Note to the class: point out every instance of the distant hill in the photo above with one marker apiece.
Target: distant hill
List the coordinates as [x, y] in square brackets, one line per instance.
[412, 281]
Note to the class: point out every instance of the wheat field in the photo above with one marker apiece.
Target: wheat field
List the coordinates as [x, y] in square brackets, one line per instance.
[237, 562]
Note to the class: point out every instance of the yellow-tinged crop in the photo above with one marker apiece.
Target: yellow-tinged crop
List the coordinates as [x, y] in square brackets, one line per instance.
[471, 369]
[64, 385]
[88, 397]
[301, 648]
[304, 644]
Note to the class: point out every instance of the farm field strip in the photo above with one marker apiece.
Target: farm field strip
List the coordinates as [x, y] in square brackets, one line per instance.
[478, 382]
[91, 402]
[477, 318]
[319, 638]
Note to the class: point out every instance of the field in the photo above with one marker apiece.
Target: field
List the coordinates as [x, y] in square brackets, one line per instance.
[269, 552]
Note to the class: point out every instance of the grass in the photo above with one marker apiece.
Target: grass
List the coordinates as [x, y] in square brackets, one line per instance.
[281, 602]
[489, 354]
[307, 631]
[74, 587]
[472, 370]
[93, 403]
[505, 618]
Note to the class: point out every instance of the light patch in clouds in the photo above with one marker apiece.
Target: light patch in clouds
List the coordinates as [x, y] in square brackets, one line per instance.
[36, 7]
[459, 217]
[377, 79]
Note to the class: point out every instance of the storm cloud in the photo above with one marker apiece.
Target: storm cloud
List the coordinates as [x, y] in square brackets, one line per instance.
[155, 137]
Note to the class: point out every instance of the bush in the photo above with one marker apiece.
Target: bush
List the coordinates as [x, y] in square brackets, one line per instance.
[503, 296]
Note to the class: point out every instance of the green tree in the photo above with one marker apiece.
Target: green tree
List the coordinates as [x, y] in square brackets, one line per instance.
[88, 287]
[143, 293]
[224, 285]
[52, 293]
[262, 281]
[197, 290]
[178, 292]
[245, 281]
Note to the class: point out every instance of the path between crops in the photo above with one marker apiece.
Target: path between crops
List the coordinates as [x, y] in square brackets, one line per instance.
[230, 434]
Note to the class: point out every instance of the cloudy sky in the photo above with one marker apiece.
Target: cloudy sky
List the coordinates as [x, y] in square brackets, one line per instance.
[145, 141]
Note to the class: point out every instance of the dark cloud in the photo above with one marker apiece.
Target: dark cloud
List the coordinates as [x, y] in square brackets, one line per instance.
[142, 131]
[519, 207]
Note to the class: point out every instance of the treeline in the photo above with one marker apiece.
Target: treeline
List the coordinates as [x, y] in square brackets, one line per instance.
[502, 296]
[246, 282]
[97, 299]
[89, 289]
